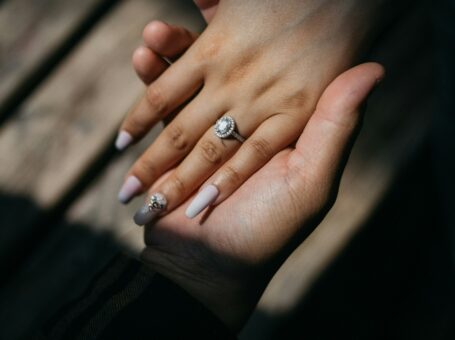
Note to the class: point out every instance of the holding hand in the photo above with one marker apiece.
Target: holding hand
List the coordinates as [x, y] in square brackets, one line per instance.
[265, 71]
[226, 258]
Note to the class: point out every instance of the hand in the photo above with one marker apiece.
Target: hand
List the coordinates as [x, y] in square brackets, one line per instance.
[163, 41]
[226, 258]
[266, 70]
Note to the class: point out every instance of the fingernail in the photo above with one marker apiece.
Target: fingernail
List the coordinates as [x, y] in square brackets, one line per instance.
[202, 200]
[129, 189]
[144, 215]
[123, 140]
[150, 210]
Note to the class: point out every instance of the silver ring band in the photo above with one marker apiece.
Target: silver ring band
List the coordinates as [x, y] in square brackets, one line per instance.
[238, 137]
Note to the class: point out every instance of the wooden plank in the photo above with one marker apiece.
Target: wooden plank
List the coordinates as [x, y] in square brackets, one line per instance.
[394, 130]
[96, 223]
[34, 36]
[99, 206]
[60, 132]
[95, 228]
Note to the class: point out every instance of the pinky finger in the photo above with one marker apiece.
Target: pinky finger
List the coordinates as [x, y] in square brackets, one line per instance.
[257, 150]
[148, 65]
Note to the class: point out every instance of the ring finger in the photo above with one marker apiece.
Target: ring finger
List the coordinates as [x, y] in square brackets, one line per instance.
[207, 156]
[171, 146]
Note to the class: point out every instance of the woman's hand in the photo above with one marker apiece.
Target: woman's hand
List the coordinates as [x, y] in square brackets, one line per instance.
[226, 257]
[264, 63]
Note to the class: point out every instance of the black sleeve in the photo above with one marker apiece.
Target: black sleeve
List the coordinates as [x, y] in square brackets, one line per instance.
[128, 301]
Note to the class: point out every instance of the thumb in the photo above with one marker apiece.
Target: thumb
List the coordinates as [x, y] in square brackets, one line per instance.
[323, 147]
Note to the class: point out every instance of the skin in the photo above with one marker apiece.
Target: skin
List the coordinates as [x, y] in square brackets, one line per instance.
[283, 60]
[226, 259]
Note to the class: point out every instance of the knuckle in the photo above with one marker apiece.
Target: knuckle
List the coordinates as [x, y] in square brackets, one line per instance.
[136, 124]
[341, 122]
[176, 186]
[261, 148]
[177, 137]
[263, 87]
[156, 100]
[145, 170]
[209, 49]
[300, 100]
[210, 152]
[243, 66]
[231, 175]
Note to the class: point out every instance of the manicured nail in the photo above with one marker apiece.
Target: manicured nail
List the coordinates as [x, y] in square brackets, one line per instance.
[150, 210]
[129, 189]
[123, 140]
[144, 215]
[202, 200]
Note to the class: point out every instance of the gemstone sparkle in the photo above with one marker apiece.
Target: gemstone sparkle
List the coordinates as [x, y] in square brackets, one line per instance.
[224, 127]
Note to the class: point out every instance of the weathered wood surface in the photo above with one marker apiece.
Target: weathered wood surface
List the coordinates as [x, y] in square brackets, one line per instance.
[31, 33]
[394, 129]
[56, 137]
[62, 130]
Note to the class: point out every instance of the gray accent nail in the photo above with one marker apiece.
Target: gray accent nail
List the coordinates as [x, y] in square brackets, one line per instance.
[144, 215]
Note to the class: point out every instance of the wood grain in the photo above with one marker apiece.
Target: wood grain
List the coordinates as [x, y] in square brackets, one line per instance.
[66, 125]
[70, 121]
[30, 33]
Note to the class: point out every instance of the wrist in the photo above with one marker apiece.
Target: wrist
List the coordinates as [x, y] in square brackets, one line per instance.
[226, 290]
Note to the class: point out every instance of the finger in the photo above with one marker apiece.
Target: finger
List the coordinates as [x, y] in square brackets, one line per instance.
[322, 149]
[208, 8]
[161, 40]
[171, 146]
[272, 136]
[148, 65]
[187, 177]
[167, 40]
[177, 84]
[206, 157]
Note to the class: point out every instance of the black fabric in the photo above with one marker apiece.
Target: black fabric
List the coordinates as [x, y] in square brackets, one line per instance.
[128, 301]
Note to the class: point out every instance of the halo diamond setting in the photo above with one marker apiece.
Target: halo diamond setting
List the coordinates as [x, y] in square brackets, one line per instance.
[224, 127]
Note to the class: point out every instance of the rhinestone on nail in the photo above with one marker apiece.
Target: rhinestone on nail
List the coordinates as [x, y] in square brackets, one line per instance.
[157, 202]
[224, 126]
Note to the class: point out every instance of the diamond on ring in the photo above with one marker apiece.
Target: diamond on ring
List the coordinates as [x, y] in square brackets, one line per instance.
[157, 202]
[225, 127]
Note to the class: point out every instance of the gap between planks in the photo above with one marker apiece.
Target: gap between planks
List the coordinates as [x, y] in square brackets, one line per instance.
[61, 138]
[35, 38]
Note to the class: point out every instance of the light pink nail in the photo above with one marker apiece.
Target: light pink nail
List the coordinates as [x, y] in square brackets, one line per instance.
[123, 140]
[130, 188]
[202, 200]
